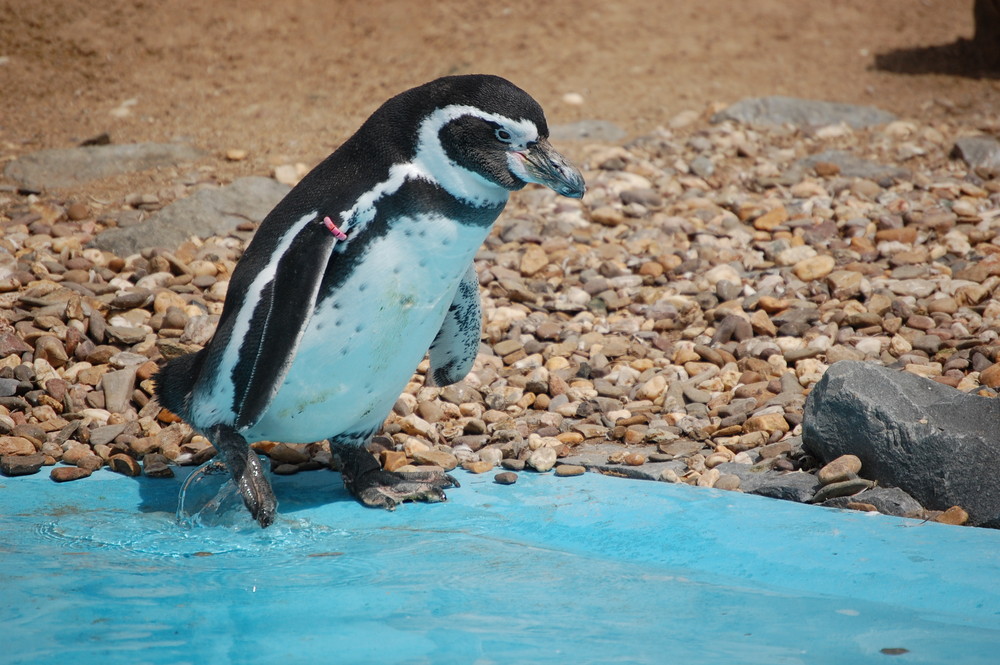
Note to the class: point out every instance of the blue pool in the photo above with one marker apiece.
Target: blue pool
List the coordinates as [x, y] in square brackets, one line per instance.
[551, 570]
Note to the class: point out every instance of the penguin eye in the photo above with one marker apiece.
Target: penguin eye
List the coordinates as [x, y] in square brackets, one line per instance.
[503, 135]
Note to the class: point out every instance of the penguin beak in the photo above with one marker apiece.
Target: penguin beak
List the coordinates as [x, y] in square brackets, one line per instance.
[541, 164]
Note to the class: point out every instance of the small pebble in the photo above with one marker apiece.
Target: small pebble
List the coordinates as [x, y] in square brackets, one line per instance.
[505, 478]
[570, 470]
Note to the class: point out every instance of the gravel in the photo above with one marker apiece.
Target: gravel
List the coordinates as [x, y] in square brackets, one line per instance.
[669, 326]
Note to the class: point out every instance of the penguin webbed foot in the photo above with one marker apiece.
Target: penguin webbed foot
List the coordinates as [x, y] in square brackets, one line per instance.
[377, 488]
[247, 472]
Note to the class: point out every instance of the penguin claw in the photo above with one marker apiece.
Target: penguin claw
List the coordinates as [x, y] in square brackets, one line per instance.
[375, 487]
[247, 472]
[385, 489]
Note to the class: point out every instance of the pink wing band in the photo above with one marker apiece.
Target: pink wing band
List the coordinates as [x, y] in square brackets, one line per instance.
[337, 233]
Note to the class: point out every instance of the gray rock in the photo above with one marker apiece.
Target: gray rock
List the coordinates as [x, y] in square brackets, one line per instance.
[70, 167]
[587, 130]
[118, 387]
[887, 500]
[790, 486]
[105, 434]
[854, 167]
[206, 213]
[936, 443]
[981, 153]
[776, 111]
[8, 387]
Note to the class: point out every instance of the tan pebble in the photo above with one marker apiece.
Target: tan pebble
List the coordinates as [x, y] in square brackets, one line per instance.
[570, 470]
[446, 461]
[90, 462]
[772, 305]
[570, 438]
[533, 260]
[653, 388]
[709, 478]
[990, 377]
[146, 370]
[905, 234]
[668, 475]
[651, 269]
[771, 219]
[814, 268]
[768, 422]
[826, 169]
[16, 445]
[478, 466]
[685, 355]
[542, 459]
[393, 460]
[607, 216]
[62, 474]
[77, 211]
[634, 459]
[861, 506]
[727, 481]
[236, 155]
[955, 515]
[761, 323]
[844, 467]
[715, 459]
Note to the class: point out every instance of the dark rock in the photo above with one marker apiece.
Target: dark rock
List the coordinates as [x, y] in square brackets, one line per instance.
[74, 166]
[790, 486]
[777, 111]
[206, 213]
[8, 387]
[21, 465]
[505, 478]
[125, 465]
[887, 500]
[156, 465]
[934, 442]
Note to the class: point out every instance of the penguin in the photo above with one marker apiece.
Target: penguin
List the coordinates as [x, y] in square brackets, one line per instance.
[360, 271]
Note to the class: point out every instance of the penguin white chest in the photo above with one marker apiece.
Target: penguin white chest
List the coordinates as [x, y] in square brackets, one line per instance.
[363, 342]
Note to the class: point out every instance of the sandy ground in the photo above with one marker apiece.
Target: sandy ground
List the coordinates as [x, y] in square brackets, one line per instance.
[289, 81]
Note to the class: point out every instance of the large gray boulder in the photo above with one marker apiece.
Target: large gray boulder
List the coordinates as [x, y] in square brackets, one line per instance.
[207, 213]
[938, 444]
[71, 167]
[776, 111]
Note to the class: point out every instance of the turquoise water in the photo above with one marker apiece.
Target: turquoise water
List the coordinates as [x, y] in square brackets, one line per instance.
[551, 570]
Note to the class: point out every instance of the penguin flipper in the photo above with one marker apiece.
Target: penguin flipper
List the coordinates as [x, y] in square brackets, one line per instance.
[456, 345]
[256, 341]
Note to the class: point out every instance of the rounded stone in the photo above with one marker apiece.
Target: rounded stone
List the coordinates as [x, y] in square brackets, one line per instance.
[843, 468]
[63, 474]
[570, 470]
[543, 459]
[505, 478]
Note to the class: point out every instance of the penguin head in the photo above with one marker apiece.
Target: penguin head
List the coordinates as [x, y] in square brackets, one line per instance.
[479, 127]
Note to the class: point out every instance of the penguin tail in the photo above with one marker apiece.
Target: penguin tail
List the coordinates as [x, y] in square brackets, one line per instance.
[175, 382]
